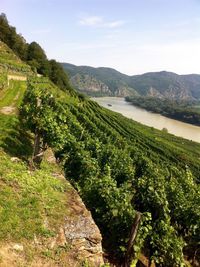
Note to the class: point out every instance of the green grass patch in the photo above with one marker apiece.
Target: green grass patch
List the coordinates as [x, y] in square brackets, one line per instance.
[9, 60]
[14, 94]
[31, 203]
[3, 80]
[13, 138]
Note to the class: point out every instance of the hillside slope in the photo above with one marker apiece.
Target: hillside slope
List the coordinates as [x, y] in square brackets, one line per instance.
[108, 81]
[131, 177]
[43, 221]
[157, 84]
[122, 170]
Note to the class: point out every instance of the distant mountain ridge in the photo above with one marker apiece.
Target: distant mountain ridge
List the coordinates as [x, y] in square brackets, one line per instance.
[109, 82]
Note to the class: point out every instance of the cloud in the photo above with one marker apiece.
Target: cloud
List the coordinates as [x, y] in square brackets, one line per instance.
[91, 21]
[115, 24]
[97, 21]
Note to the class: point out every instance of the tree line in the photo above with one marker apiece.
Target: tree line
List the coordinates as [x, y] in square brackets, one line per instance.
[182, 110]
[33, 54]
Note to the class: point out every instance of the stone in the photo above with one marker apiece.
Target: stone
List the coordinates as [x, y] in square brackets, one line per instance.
[18, 247]
[15, 159]
[82, 233]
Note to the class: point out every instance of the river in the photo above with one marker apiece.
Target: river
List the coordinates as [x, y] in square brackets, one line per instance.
[148, 118]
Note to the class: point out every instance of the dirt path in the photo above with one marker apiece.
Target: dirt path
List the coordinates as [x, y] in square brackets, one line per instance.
[9, 100]
[9, 110]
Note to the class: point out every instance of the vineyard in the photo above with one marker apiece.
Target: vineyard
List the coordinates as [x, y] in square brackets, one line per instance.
[120, 169]
[141, 185]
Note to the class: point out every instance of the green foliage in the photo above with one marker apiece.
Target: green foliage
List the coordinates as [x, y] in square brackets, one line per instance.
[27, 200]
[119, 169]
[3, 81]
[9, 36]
[179, 110]
[37, 59]
[162, 83]
[58, 76]
[33, 54]
[9, 62]
[13, 95]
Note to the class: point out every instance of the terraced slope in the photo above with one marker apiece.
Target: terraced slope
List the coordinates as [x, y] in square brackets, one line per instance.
[122, 169]
[37, 208]
[11, 63]
[13, 73]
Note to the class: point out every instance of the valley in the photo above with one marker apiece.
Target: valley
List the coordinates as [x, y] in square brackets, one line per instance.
[172, 95]
[150, 119]
[82, 185]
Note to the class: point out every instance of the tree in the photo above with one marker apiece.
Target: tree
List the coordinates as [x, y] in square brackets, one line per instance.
[4, 28]
[37, 58]
[34, 55]
[165, 130]
[58, 75]
[9, 36]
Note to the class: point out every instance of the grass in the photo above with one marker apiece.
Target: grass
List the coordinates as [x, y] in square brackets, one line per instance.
[13, 95]
[8, 58]
[31, 203]
[35, 203]
[13, 137]
[28, 199]
[15, 141]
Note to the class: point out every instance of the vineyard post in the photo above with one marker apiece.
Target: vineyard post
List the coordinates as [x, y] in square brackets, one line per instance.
[129, 252]
[37, 153]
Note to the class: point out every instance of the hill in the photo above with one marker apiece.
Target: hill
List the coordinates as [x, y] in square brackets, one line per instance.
[125, 171]
[98, 81]
[36, 205]
[168, 85]
[140, 184]
[109, 82]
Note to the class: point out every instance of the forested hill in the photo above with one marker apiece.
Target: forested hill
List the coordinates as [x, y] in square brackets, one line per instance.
[98, 81]
[109, 82]
[140, 184]
[33, 54]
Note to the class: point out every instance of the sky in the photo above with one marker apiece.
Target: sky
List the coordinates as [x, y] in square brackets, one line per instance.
[132, 36]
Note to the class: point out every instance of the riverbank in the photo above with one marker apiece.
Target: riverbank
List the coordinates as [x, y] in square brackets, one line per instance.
[148, 118]
[185, 111]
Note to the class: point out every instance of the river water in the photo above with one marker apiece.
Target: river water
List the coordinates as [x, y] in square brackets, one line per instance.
[148, 118]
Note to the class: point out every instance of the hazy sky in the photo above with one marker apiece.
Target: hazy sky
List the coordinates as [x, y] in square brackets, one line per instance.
[133, 36]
